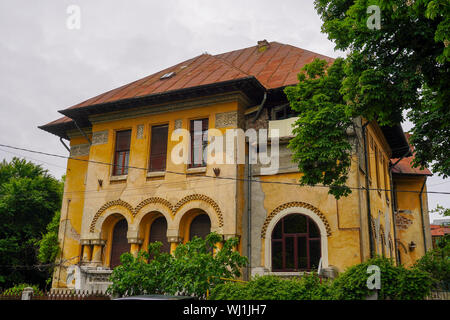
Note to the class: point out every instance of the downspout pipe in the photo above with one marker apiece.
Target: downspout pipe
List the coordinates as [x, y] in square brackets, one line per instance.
[421, 215]
[249, 214]
[369, 215]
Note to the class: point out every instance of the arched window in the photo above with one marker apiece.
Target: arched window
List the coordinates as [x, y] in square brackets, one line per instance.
[295, 244]
[119, 243]
[158, 232]
[200, 226]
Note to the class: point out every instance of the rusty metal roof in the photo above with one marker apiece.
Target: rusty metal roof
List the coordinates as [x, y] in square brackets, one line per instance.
[273, 64]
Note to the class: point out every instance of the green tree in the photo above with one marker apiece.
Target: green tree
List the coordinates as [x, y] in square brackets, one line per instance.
[320, 145]
[401, 68]
[191, 270]
[440, 210]
[29, 198]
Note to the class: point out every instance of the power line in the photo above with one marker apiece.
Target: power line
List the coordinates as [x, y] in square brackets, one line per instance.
[218, 177]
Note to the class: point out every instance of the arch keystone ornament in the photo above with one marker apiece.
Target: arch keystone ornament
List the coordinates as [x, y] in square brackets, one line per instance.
[294, 204]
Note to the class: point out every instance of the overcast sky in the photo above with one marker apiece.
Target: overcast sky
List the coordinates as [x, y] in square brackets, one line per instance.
[45, 66]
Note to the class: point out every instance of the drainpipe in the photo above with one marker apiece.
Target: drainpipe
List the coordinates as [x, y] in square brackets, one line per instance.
[249, 214]
[421, 215]
[369, 215]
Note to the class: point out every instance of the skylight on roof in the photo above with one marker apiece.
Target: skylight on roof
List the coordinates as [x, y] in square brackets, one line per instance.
[167, 75]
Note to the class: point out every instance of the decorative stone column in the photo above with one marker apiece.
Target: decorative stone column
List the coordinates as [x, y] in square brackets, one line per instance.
[87, 250]
[97, 251]
[135, 245]
[174, 241]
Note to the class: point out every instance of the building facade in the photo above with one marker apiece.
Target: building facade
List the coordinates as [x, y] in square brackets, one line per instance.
[124, 189]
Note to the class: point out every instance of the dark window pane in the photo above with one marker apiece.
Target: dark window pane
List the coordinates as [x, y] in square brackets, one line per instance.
[277, 231]
[295, 223]
[302, 253]
[198, 145]
[122, 152]
[289, 253]
[158, 148]
[314, 252]
[277, 255]
[313, 229]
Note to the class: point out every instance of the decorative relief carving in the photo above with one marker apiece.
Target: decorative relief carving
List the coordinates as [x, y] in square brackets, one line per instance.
[173, 209]
[291, 205]
[100, 137]
[200, 197]
[106, 206]
[140, 131]
[226, 119]
[178, 124]
[79, 150]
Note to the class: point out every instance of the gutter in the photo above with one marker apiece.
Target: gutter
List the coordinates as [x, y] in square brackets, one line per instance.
[249, 214]
[421, 215]
[261, 107]
[369, 215]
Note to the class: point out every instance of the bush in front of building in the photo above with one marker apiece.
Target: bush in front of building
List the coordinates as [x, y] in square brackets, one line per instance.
[397, 282]
[437, 263]
[18, 289]
[270, 287]
[192, 270]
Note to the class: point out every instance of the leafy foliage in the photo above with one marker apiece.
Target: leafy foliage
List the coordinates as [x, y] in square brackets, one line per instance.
[29, 198]
[440, 210]
[191, 270]
[437, 263]
[320, 145]
[307, 287]
[397, 283]
[17, 290]
[401, 68]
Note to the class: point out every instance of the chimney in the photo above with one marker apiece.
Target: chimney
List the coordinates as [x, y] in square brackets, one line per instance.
[263, 45]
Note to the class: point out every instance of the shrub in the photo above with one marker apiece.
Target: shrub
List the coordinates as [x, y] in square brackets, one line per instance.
[306, 287]
[191, 270]
[397, 283]
[17, 290]
[437, 263]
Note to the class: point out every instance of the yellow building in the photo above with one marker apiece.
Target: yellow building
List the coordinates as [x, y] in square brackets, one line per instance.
[124, 189]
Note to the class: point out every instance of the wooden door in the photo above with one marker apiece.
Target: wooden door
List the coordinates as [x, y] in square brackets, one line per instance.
[158, 232]
[120, 243]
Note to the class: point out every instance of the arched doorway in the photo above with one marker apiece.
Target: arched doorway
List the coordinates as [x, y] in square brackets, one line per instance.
[119, 244]
[158, 232]
[295, 244]
[200, 226]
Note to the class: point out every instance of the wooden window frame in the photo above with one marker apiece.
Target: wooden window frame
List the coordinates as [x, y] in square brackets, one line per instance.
[295, 236]
[122, 168]
[204, 144]
[152, 145]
